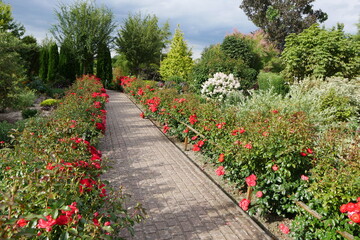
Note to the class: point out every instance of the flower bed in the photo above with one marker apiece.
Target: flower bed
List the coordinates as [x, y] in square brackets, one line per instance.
[281, 155]
[50, 186]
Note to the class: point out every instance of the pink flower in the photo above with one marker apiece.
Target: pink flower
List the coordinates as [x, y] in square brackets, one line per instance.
[244, 204]
[220, 125]
[186, 130]
[284, 229]
[251, 180]
[220, 171]
[47, 224]
[194, 138]
[248, 146]
[259, 194]
[107, 223]
[305, 178]
[275, 167]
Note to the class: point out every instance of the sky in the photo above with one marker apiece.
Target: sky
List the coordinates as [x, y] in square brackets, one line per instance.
[203, 22]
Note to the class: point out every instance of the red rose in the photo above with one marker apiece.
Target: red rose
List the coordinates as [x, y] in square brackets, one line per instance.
[355, 217]
[63, 220]
[303, 154]
[275, 167]
[22, 222]
[251, 180]
[244, 204]
[221, 157]
[259, 194]
[284, 229]
[46, 224]
[220, 171]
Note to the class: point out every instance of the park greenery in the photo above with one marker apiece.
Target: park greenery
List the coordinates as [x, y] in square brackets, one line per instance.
[277, 110]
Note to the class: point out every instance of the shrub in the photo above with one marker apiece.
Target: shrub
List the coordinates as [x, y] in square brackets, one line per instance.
[28, 113]
[49, 102]
[317, 52]
[5, 129]
[23, 98]
[276, 82]
[53, 171]
[220, 86]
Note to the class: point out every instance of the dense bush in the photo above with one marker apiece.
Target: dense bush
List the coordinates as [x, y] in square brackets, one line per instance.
[321, 53]
[281, 146]
[49, 183]
[28, 113]
[274, 81]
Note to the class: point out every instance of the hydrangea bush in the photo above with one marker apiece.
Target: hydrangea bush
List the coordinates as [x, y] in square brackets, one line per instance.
[220, 86]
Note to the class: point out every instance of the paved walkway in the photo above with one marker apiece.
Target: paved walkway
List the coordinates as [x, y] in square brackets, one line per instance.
[181, 201]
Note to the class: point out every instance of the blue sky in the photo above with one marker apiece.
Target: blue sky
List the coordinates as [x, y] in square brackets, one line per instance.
[204, 22]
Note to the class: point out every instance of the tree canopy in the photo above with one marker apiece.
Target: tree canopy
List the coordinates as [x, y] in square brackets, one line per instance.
[141, 40]
[279, 18]
[83, 26]
[321, 53]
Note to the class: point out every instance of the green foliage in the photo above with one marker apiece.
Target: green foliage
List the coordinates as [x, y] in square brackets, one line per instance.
[5, 129]
[44, 62]
[11, 71]
[53, 63]
[214, 60]
[82, 26]
[280, 18]
[274, 81]
[178, 61]
[141, 40]
[7, 22]
[104, 64]
[54, 167]
[22, 98]
[238, 47]
[30, 56]
[29, 113]
[67, 64]
[342, 109]
[321, 53]
[49, 102]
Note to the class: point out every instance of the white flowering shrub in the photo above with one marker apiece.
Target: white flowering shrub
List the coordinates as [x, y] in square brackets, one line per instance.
[220, 86]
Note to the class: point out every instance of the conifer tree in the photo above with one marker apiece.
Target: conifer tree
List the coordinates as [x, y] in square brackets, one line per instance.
[44, 62]
[104, 63]
[178, 61]
[67, 64]
[53, 62]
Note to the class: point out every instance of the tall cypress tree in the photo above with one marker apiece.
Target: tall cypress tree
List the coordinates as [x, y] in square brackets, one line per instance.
[67, 64]
[44, 63]
[53, 62]
[104, 63]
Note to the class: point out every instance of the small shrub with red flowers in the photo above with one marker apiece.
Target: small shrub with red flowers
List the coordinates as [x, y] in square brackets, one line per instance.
[49, 180]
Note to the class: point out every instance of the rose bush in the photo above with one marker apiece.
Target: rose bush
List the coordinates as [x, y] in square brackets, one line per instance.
[284, 148]
[49, 181]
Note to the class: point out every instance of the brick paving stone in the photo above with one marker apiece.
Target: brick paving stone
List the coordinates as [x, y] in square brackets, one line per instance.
[181, 201]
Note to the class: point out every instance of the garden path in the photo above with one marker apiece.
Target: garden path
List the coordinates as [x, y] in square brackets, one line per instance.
[181, 201]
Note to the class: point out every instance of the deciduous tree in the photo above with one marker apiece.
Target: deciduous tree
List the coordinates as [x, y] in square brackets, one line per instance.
[141, 40]
[279, 18]
[83, 25]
